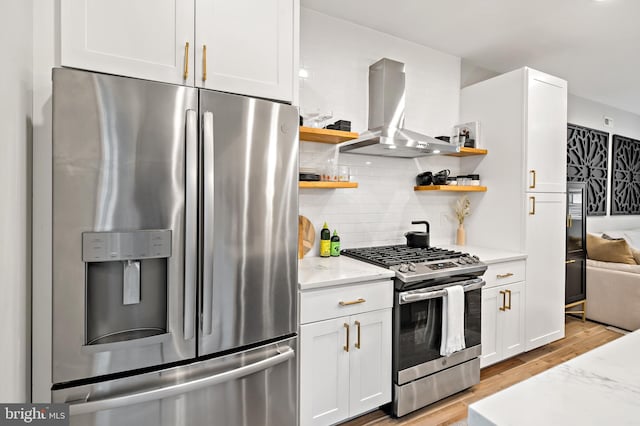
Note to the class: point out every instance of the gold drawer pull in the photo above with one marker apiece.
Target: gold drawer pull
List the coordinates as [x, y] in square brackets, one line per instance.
[532, 203]
[358, 341]
[186, 61]
[507, 275]
[570, 261]
[533, 179]
[504, 300]
[352, 302]
[204, 62]
[346, 347]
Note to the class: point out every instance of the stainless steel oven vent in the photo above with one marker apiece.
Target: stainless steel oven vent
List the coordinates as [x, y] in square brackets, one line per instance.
[386, 135]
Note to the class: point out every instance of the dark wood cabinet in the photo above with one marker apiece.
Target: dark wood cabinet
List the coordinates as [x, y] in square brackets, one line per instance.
[576, 254]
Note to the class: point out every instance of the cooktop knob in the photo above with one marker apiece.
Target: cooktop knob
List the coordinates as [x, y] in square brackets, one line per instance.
[403, 268]
[412, 266]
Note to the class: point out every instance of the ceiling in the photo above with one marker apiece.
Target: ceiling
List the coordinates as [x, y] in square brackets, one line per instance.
[595, 45]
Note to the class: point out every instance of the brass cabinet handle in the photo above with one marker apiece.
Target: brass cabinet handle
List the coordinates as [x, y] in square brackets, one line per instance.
[504, 300]
[186, 60]
[507, 275]
[570, 261]
[346, 347]
[358, 341]
[352, 302]
[509, 305]
[533, 178]
[532, 211]
[204, 62]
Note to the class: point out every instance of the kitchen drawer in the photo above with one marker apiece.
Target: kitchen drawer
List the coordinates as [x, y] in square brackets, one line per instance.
[505, 273]
[322, 304]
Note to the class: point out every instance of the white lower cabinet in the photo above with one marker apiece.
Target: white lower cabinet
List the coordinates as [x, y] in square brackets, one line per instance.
[345, 362]
[324, 372]
[503, 313]
[546, 221]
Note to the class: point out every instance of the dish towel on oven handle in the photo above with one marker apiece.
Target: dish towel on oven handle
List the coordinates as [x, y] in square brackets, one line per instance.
[452, 321]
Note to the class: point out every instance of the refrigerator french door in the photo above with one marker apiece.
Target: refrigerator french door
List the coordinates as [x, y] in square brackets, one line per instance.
[174, 252]
[250, 213]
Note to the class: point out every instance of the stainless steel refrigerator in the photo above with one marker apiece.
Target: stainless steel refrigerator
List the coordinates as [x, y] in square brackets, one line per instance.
[174, 254]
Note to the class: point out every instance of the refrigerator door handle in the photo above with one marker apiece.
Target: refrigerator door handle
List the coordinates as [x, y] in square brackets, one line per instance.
[207, 258]
[285, 353]
[191, 228]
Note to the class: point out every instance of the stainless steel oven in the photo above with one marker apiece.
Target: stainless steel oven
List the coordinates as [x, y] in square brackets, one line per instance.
[421, 375]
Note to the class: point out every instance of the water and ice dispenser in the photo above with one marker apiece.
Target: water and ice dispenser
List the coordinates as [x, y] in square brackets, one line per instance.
[126, 285]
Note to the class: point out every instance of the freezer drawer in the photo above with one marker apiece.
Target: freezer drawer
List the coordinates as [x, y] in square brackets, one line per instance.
[251, 388]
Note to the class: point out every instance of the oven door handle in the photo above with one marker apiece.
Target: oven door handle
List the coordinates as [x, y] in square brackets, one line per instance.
[417, 297]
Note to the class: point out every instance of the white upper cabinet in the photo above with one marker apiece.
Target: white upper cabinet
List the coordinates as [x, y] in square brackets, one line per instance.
[241, 46]
[546, 132]
[143, 38]
[248, 45]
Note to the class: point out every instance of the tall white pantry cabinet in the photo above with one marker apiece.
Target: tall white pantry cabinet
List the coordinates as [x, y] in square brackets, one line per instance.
[241, 46]
[523, 120]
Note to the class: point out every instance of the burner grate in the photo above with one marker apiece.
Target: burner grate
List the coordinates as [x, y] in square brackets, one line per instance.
[388, 256]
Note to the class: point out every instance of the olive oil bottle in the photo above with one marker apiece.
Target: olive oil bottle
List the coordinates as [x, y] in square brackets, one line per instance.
[325, 241]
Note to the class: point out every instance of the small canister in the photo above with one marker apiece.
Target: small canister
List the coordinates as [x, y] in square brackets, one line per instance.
[452, 180]
[475, 180]
[464, 181]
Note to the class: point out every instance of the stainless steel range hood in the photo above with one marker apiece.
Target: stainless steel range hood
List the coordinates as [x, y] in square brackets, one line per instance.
[386, 135]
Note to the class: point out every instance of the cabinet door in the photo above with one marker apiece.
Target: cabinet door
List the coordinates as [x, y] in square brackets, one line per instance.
[249, 47]
[324, 372]
[492, 301]
[370, 361]
[545, 247]
[546, 133]
[576, 278]
[513, 320]
[143, 38]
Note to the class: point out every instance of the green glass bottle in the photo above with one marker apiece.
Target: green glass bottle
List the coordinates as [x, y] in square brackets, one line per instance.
[335, 244]
[325, 241]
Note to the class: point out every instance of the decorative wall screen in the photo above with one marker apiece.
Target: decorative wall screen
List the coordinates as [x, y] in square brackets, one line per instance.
[587, 153]
[625, 176]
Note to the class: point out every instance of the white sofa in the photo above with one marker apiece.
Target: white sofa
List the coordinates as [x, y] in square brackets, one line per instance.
[613, 289]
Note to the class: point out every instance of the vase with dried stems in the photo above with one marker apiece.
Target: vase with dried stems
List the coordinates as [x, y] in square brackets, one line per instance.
[462, 209]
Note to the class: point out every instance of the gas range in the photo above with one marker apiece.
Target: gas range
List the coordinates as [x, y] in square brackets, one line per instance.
[413, 265]
[421, 374]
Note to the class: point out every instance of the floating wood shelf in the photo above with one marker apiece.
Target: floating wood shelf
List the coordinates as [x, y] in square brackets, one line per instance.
[451, 188]
[311, 134]
[328, 185]
[467, 152]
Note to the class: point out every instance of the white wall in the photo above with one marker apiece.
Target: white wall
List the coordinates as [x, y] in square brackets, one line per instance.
[585, 112]
[337, 55]
[16, 63]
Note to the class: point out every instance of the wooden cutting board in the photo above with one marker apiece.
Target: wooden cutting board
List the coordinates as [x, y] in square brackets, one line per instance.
[306, 236]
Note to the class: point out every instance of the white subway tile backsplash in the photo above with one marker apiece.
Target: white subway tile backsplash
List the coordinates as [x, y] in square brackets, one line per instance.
[337, 55]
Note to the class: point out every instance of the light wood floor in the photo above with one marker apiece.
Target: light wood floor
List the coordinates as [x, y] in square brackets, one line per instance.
[579, 338]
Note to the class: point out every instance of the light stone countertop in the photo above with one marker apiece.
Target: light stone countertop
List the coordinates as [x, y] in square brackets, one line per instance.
[600, 387]
[317, 272]
[488, 255]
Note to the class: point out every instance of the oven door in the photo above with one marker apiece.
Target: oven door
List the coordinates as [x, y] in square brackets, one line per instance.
[418, 330]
